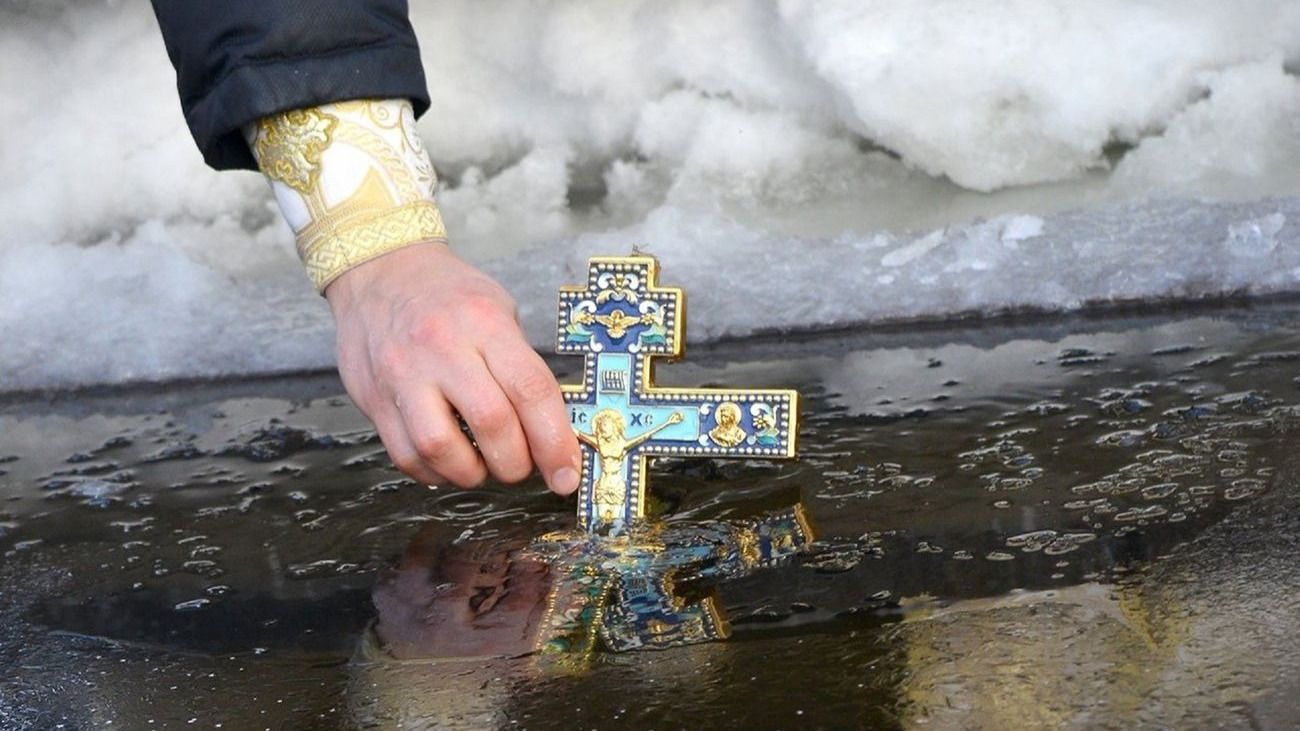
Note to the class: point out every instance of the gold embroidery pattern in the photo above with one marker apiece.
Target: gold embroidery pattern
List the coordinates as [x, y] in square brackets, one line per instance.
[375, 146]
[362, 184]
[290, 144]
[342, 248]
[423, 167]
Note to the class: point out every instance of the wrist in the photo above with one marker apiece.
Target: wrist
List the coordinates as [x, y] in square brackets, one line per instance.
[339, 250]
[365, 275]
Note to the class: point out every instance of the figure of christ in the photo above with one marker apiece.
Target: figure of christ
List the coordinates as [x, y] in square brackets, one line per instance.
[609, 439]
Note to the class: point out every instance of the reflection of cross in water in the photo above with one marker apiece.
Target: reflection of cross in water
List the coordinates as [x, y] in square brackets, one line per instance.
[624, 593]
[619, 322]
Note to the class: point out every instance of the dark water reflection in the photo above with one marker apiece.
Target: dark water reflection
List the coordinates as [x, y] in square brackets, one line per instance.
[1065, 523]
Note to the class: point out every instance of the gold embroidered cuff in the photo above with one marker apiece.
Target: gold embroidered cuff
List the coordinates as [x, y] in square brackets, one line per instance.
[328, 254]
[353, 181]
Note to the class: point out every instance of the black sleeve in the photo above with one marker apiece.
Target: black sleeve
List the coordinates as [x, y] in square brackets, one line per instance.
[240, 60]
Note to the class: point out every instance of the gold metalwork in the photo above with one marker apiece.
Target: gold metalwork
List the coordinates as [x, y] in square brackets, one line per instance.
[609, 440]
[728, 432]
[617, 322]
[615, 286]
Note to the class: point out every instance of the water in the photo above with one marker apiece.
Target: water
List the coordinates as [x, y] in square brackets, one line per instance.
[1055, 522]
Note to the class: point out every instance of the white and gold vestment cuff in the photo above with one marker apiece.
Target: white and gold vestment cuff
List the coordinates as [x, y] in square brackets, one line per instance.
[353, 181]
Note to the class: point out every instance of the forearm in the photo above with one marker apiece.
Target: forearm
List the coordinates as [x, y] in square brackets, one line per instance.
[352, 179]
[422, 336]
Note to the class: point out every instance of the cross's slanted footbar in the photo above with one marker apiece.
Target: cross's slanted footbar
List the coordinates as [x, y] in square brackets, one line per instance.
[621, 321]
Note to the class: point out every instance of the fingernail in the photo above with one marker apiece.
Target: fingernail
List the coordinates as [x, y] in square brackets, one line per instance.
[565, 480]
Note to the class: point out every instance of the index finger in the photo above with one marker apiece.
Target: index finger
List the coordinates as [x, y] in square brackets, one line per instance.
[535, 395]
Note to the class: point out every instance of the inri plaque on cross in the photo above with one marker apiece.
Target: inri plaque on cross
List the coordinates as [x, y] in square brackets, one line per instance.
[620, 322]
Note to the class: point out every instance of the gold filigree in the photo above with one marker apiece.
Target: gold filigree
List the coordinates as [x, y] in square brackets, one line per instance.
[332, 253]
[290, 144]
[617, 322]
[618, 373]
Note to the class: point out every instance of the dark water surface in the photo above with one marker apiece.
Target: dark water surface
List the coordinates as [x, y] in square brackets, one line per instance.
[1060, 523]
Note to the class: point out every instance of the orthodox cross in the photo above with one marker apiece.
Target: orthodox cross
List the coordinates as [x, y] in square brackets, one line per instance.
[620, 322]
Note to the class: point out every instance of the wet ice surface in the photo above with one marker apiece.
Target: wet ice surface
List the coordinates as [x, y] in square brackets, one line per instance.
[1054, 523]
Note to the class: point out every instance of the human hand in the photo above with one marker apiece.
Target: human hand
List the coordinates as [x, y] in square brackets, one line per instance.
[422, 335]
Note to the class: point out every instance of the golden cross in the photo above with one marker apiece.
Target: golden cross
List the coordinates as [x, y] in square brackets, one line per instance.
[620, 321]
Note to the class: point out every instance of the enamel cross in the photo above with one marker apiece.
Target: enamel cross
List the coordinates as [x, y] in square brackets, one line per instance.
[620, 322]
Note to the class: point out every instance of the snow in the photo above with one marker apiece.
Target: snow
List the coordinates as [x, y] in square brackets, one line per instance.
[1256, 237]
[988, 93]
[795, 165]
[741, 281]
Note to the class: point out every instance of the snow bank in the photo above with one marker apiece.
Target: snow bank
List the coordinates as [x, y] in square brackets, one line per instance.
[988, 93]
[144, 309]
[741, 281]
[831, 159]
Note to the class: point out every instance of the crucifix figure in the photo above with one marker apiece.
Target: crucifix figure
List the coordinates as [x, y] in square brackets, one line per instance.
[620, 321]
[612, 446]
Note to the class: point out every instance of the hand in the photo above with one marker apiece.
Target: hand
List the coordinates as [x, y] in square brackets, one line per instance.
[423, 335]
[675, 417]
